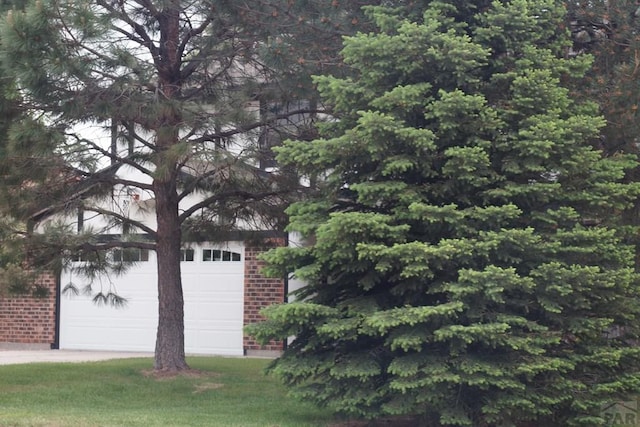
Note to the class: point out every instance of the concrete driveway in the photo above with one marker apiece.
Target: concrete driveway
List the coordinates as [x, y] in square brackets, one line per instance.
[13, 357]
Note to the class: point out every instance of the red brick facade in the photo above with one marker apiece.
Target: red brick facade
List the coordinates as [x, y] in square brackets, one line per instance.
[29, 319]
[260, 292]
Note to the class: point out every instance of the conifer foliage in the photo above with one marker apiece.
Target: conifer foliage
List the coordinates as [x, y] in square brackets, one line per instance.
[462, 264]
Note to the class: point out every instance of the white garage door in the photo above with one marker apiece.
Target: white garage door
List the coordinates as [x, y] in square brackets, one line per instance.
[213, 283]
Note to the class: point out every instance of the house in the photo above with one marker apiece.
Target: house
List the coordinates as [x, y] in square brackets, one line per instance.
[224, 289]
[149, 63]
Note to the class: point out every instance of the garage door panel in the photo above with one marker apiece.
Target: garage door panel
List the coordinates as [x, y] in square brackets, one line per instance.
[213, 294]
[209, 292]
[209, 283]
[114, 319]
[132, 300]
[220, 314]
[83, 309]
[213, 342]
[226, 297]
[133, 339]
[211, 325]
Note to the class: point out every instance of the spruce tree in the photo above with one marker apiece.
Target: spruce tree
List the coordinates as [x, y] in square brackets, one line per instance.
[462, 260]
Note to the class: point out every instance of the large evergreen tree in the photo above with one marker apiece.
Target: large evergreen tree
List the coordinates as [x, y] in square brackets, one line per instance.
[462, 263]
[177, 93]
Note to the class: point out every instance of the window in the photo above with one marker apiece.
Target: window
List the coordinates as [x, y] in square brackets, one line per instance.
[87, 256]
[130, 255]
[187, 255]
[215, 255]
[211, 255]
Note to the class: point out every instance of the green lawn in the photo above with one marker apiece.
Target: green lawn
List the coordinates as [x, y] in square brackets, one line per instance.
[232, 392]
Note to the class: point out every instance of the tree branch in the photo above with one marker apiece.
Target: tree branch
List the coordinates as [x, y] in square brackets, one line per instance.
[145, 41]
[122, 218]
[244, 195]
[243, 129]
[110, 155]
[124, 244]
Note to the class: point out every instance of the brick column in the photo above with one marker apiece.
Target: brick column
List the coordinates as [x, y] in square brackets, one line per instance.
[260, 292]
[27, 319]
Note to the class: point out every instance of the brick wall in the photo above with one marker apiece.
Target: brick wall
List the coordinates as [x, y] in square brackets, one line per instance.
[260, 292]
[26, 319]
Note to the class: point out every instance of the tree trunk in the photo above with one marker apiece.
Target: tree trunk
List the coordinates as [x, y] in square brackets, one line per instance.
[169, 354]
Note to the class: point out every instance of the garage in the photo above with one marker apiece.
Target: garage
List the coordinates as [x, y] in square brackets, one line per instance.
[213, 284]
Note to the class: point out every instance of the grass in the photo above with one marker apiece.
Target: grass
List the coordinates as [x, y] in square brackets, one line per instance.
[231, 392]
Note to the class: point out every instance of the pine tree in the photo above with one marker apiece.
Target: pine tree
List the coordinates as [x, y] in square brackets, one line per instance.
[13, 277]
[462, 260]
[160, 88]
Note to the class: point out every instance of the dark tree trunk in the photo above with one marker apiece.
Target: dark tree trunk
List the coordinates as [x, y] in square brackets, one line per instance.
[169, 354]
